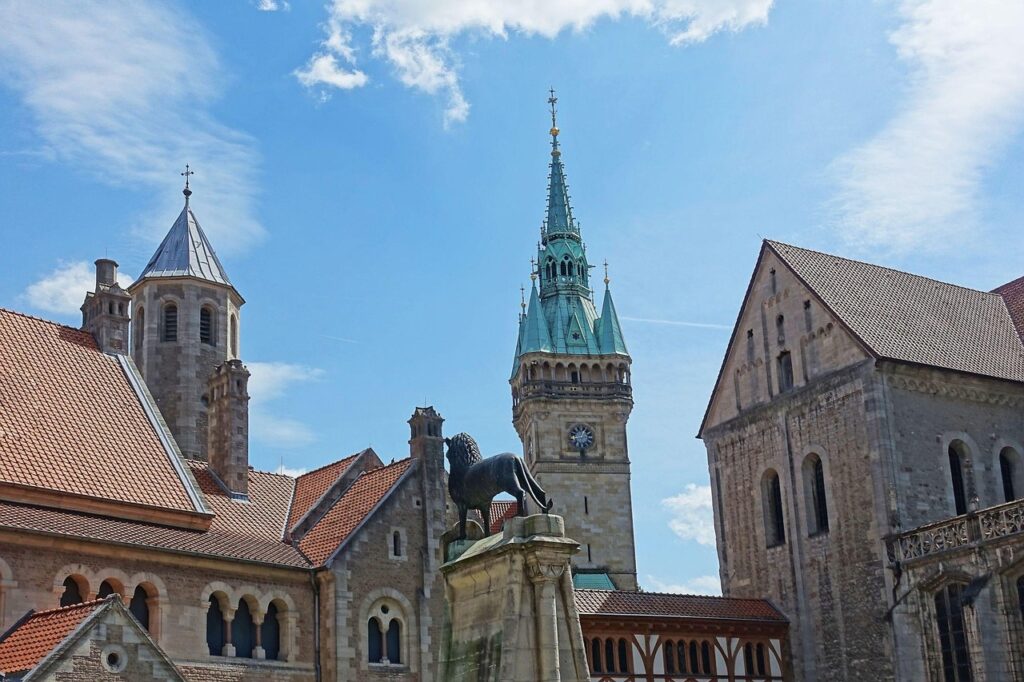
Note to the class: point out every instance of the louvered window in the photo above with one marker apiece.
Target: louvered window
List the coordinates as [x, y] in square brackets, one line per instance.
[206, 326]
[170, 332]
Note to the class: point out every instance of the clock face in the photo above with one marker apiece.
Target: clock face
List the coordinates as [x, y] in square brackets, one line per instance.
[581, 437]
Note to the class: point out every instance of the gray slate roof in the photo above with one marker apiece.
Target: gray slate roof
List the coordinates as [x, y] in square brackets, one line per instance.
[186, 252]
[911, 318]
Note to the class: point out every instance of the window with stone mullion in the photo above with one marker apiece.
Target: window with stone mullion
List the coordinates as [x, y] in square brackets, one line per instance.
[956, 662]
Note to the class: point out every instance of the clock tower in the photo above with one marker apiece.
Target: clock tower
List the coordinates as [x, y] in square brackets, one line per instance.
[571, 395]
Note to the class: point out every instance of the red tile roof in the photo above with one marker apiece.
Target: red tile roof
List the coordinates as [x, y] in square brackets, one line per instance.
[311, 486]
[72, 423]
[222, 540]
[29, 641]
[265, 513]
[685, 606]
[1013, 296]
[350, 510]
[502, 511]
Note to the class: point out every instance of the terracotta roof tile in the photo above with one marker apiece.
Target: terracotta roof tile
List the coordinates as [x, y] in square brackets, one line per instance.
[71, 422]
[911, 318]
[29, 641]
[502, 511]
[350, 510]
[223, 540]
[619, 603]
[311, 486]
[265, 513]
[1012, 294]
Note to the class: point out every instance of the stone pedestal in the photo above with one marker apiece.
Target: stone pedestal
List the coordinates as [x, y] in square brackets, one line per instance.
[511, 614]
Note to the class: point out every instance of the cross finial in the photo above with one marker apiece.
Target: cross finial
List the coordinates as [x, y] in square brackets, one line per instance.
[533, 270]
[606, 279]
[552, 100]
[187, 192]
[522, 297]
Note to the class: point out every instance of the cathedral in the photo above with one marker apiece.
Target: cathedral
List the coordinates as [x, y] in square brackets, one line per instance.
[138, 543]
[864, 440]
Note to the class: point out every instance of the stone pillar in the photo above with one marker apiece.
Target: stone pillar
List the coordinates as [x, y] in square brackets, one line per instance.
[227, 398]
[229, 618]
[511, 611]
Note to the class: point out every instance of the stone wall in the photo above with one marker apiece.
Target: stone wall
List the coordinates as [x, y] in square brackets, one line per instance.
[180, 586]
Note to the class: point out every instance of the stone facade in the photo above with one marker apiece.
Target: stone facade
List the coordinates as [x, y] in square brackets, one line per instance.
[798, 388]
[591, 491]
[177, 371]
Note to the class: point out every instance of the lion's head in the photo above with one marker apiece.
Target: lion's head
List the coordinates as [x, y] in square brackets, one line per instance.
[462, 452]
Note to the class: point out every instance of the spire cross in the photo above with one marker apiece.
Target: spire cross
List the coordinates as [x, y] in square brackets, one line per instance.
[606, 280]
[187, 192]
[522, 298]
[552, 100]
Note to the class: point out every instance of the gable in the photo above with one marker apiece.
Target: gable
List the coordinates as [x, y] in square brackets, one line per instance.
[818, 342]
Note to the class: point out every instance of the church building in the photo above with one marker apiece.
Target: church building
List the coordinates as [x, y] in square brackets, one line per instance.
[864, 441]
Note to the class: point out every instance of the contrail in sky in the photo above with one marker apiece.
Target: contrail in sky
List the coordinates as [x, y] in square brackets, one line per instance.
[678, 323]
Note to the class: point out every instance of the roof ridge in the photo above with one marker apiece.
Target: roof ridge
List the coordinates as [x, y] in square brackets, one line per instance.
[330, 464]
[673, 594]
[43, 319]
[774, 243]
[72, 607]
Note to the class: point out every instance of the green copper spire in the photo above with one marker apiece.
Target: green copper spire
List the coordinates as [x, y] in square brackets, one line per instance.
[559, 221]
[561, 317]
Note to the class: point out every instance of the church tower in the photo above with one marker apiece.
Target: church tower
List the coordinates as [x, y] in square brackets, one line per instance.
[571, 395]
[185, 325]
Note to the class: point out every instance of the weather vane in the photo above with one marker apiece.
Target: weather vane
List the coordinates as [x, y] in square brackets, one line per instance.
[552, 100]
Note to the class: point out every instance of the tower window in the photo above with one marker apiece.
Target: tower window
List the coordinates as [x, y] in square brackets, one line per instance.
[170, 331]
[771, 498]
[780, 327]
[140, 328]
[1009, 469]
[206, 327]
[234, 336]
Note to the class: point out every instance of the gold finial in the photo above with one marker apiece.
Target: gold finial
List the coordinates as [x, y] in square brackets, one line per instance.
[606, 280]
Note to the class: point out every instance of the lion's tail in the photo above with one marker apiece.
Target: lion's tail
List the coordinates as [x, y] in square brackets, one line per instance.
[528, 483]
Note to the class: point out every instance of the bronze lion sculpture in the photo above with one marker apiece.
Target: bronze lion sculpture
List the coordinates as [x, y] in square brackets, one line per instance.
[474, 481]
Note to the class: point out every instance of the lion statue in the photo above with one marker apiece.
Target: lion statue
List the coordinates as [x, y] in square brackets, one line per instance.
[474, 481]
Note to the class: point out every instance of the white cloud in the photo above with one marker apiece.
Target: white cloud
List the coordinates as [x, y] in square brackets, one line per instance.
[270, 381]
[414, 37]
[62, 291]
[701, 584]
[123, 90]
[272, 5]
[692, 516]
[916, 183]
[288, 471]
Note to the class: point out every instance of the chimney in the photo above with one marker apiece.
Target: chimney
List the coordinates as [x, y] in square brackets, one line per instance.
[227, 411]
[105, 312]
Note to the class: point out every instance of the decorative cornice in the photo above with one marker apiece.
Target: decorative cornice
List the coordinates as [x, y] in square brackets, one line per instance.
[950, 390]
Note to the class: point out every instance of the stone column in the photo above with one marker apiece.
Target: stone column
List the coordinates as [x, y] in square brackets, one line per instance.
[229, 618]
[544, 575]
[258, 651]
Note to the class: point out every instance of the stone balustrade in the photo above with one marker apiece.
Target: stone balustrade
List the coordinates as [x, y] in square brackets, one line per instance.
[967, 530]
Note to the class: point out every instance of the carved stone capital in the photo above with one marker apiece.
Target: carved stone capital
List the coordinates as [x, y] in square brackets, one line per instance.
[541, 571]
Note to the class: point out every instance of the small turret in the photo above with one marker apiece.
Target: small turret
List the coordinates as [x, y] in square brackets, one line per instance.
[105, 312]
[227, 405]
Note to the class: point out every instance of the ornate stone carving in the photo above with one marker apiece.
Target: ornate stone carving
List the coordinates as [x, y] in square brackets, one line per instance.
[953, 391]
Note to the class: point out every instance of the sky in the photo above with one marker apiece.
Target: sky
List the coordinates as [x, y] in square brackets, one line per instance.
[372, 174]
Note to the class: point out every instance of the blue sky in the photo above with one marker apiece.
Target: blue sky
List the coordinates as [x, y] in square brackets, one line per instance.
[373, 177]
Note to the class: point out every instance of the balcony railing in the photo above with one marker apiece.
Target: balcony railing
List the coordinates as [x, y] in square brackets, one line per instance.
[542, 388]
[968, 530]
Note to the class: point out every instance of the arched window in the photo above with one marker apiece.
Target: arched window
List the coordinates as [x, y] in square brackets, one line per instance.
[814, 494]
[215, 627]
[140, 327]
[681, 661]
[1020, 595]
[375, 641]
[396, 543]
[609, 654]
[106, 589]
[595, 656]
[705, 657]
[233, 323]
[139, 606]
[748, 658]
[949, 614]
[206, 326]
[785, 366]
[561, 268]
[771, 498]
[670, 659]
[270, 633]
[72, 592]
[780, 327]
[170, 331]
[623, 656]
[394, 652]
[1010, 471]
[694, 658]
[243, 630]
[957, 454]
[760, 660]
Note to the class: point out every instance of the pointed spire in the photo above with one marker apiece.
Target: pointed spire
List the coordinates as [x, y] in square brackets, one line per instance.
[609, 333]
[559, 219]
[535, 335]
